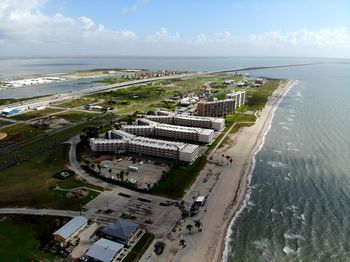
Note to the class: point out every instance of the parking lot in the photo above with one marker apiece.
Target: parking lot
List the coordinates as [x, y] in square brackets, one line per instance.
[142, 172]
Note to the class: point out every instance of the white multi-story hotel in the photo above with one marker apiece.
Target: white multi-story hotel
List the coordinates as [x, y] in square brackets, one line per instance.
[108, 145]
[238, 96]
[215, 123]
[142, 145]
[148, 127]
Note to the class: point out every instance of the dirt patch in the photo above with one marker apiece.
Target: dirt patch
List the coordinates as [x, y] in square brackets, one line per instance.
[3, 136]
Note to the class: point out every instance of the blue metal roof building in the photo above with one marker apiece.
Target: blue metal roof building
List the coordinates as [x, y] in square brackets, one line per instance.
[121, 231]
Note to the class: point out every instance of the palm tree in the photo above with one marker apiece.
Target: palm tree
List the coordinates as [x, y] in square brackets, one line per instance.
[198, 224]
[182, 242]
[189, 228]
[121, 175]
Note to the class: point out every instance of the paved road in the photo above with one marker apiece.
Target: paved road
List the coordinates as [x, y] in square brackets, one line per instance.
[75, 166]
[39, 212]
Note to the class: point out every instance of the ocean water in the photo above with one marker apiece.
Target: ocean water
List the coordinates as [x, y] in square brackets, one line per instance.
[299, 205]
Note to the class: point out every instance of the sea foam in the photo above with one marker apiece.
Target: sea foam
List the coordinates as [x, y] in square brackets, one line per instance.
[228, 237]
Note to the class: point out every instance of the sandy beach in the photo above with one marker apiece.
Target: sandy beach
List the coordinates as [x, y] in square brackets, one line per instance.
[226, 186]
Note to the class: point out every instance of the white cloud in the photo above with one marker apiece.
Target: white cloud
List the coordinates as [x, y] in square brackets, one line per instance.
[25, 30]
[163, 36]
[134, 7]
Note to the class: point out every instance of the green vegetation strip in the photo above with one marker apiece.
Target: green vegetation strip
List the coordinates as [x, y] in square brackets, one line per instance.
[178, 179]
[6, 101]
[78, 102]
[257, 97]
[4, 123]
[76, 116]
[35, 114]
[140, 248]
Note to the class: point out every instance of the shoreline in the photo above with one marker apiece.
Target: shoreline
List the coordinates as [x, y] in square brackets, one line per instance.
[231, 192]
[248, 173]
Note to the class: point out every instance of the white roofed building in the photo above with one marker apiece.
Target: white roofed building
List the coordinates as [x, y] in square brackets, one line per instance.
[104, 250]
[71, 229]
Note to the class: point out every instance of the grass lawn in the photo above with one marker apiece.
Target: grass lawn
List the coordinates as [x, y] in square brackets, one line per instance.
[133, 93]
[257, 97]
[76, 116]
[6, 101]
[114, 80]
[38, 147]
[22, 237]
[4, 123]
[140, 248]
[178, 179]
[35, 114]
[78, 102]
[18, 133]
[29, 183]
[245, 118]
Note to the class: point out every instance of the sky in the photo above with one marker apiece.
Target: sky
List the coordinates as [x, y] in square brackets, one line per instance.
[297, 28]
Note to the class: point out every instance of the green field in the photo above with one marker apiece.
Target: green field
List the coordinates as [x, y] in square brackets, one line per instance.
[22, 237]
[30, 182]
[4, 123]
[133, 93]
[114, 80]
[35, 114]
[6, 101]
[18, 133]
[178, 179]
[257, 97]
[77, 102]
[27, 150]
[76, 116]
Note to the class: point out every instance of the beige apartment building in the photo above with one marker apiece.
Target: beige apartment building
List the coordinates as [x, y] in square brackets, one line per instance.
[216, 108]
